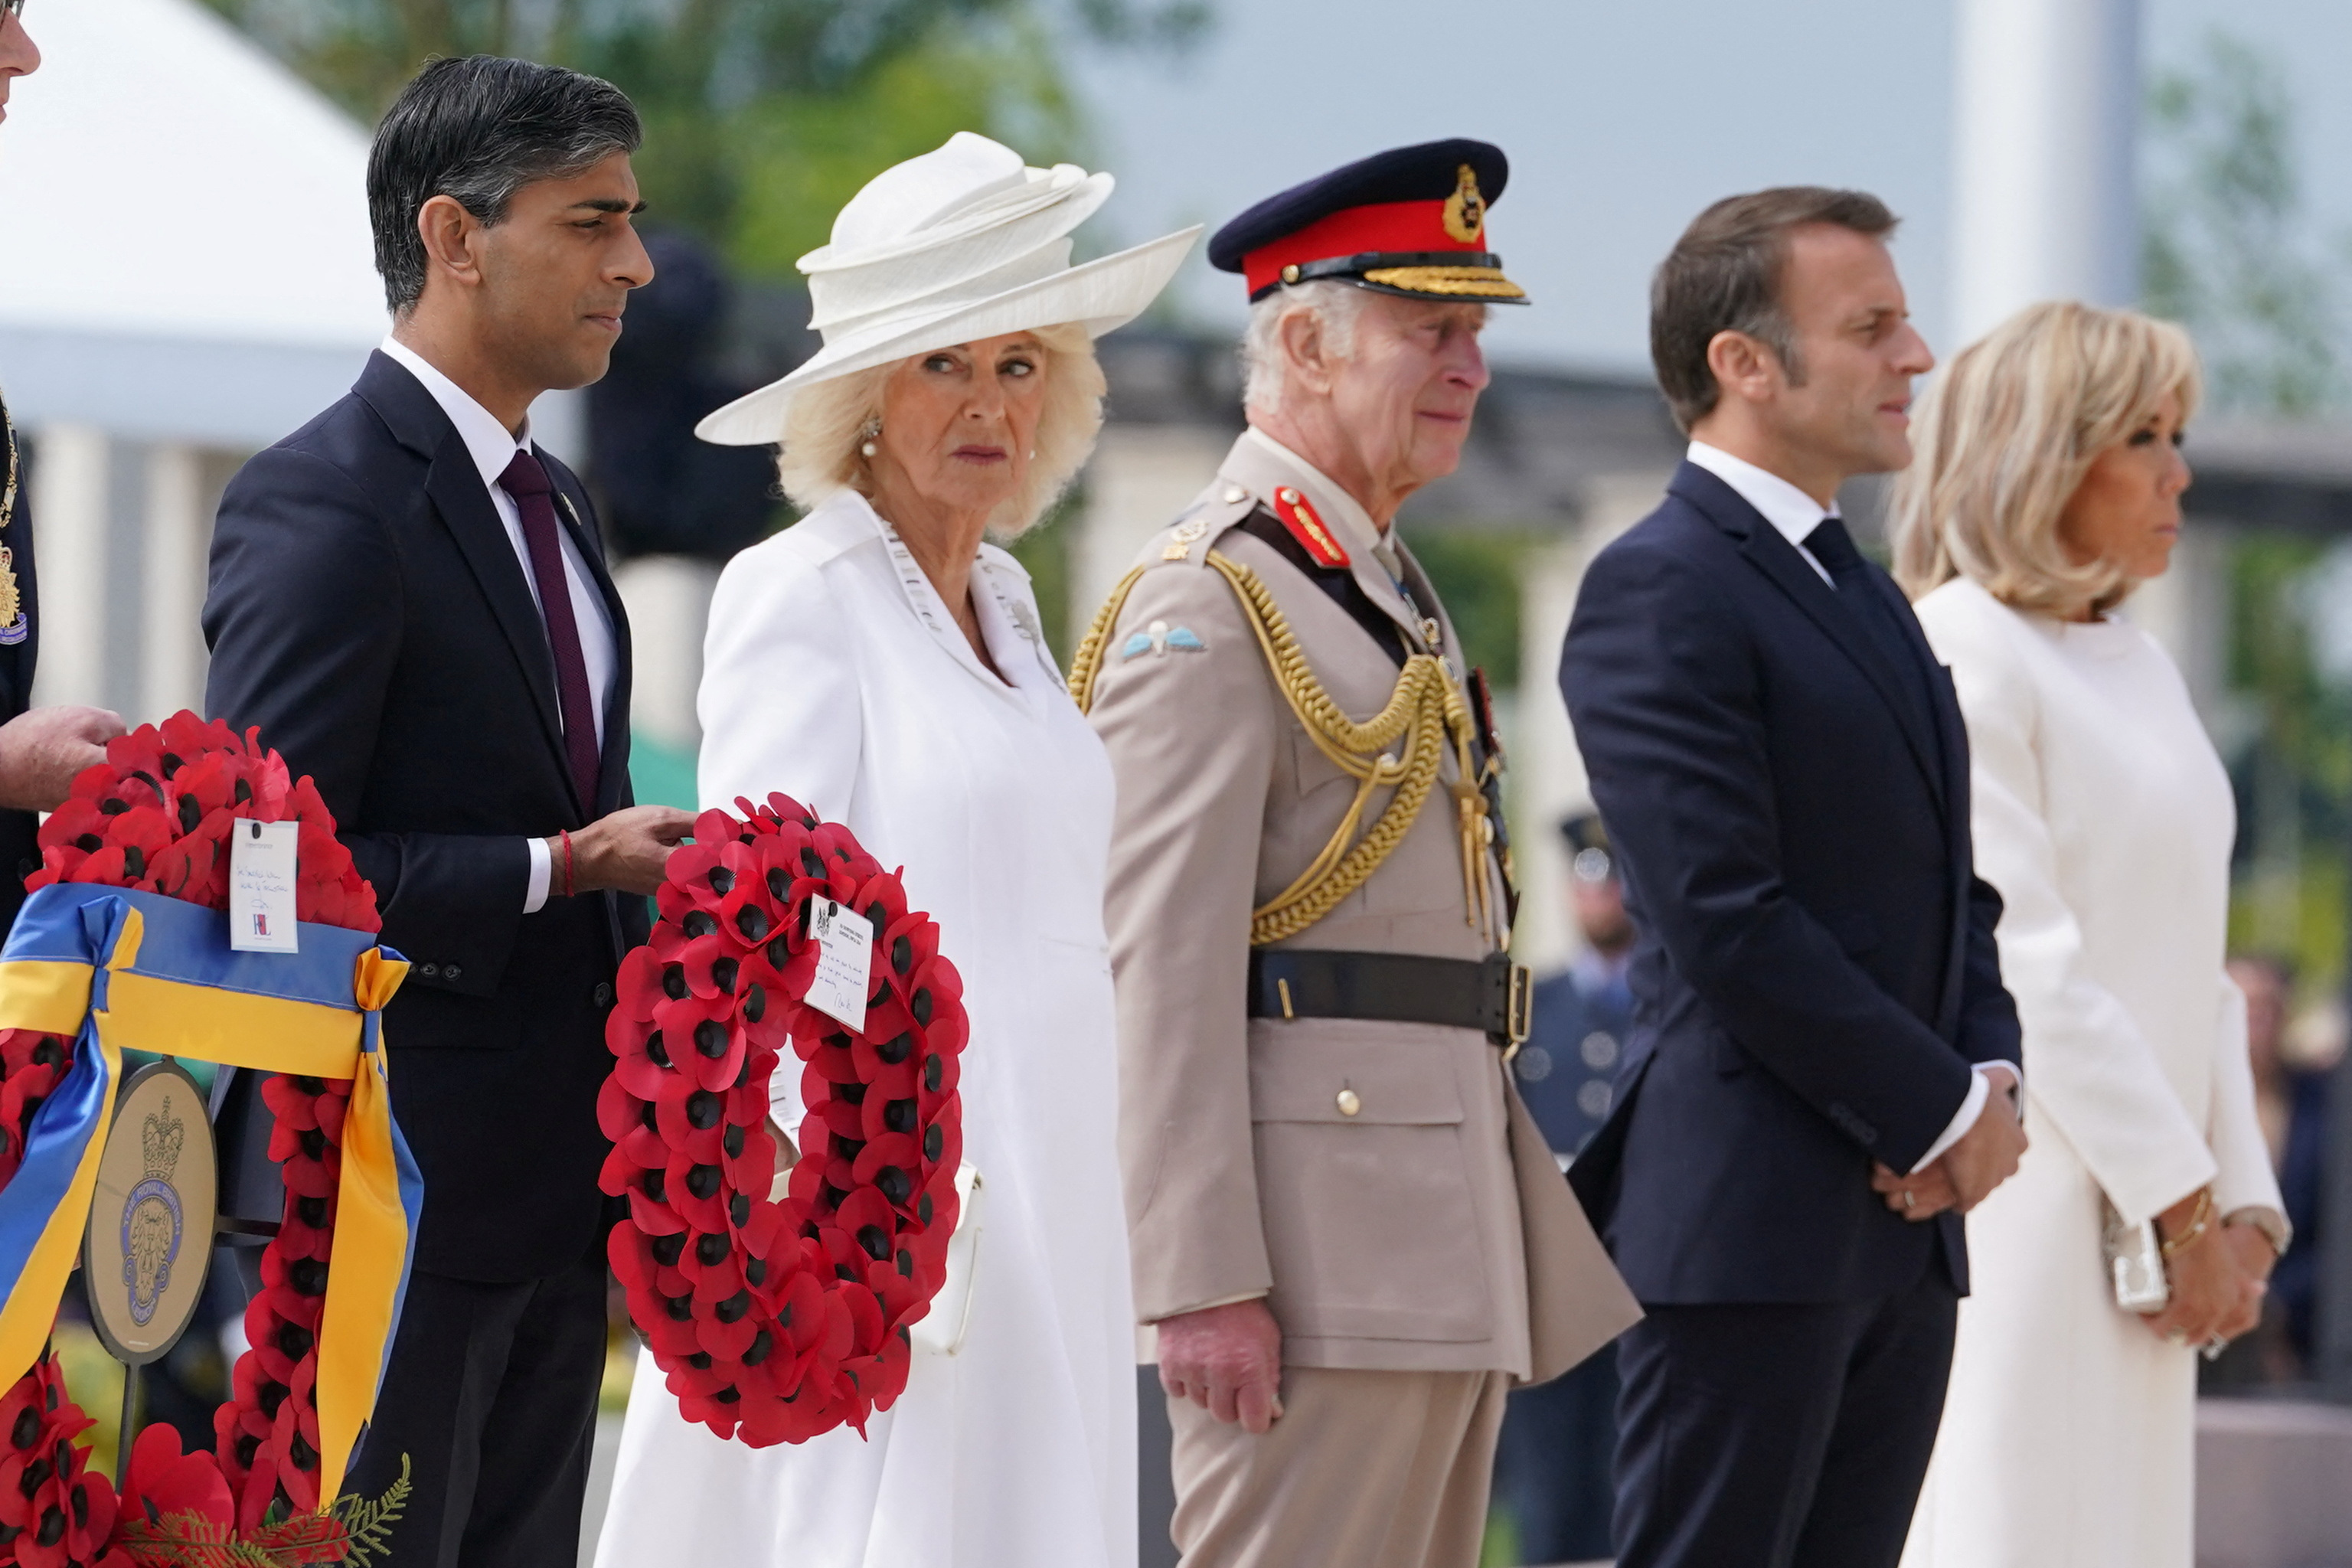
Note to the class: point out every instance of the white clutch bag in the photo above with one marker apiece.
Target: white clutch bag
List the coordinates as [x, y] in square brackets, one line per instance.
[2134, 1258]
[940, 1332]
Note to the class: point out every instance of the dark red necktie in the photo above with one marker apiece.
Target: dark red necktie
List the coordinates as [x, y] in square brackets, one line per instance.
[526, 480]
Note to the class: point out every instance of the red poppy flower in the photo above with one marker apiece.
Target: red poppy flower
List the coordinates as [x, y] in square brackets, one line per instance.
[162, 1480]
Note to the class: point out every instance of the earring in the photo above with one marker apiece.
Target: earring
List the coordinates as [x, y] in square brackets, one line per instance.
[866, 432]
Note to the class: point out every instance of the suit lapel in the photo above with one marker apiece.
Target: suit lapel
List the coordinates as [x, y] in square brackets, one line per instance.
[1380, 588]
[1780, 561]
[455, 486]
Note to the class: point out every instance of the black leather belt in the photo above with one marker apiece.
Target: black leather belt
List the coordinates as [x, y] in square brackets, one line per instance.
[1492, 994]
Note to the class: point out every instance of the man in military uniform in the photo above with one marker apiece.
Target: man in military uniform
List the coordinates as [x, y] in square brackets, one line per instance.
[1348, 1233]
[1552, 1468]
[41, 749]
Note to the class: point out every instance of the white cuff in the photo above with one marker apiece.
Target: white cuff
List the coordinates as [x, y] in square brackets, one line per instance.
[1979, 1091]
[534, 891]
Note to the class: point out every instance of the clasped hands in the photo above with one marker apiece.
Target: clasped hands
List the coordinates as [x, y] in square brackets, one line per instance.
[1985, 1156]
[2219, 1274]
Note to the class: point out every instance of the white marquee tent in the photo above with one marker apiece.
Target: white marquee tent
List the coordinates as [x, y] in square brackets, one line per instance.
[186, 276]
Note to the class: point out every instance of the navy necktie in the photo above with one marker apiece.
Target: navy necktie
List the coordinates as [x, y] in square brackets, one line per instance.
[526, 480]
[1833, 547]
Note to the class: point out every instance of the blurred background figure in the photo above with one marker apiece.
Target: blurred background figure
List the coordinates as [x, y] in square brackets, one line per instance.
[1560, 1439]
[663, 492]
[2291, 1100]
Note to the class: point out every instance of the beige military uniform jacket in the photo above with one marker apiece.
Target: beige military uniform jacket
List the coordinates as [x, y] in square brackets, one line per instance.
[1429, 1229]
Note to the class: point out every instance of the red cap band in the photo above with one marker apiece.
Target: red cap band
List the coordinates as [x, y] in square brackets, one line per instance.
[1386, 227]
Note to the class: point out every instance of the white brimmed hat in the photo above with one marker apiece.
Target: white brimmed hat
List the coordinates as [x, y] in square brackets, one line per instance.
[959, 244]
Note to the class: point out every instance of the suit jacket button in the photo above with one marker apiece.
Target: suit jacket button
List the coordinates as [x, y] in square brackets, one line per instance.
[430, 971]
[450, 972]
[602, 995]
[1348, 1102]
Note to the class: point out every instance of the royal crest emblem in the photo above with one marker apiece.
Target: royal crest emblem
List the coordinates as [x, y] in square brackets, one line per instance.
[154, 1222]
[1465, 209]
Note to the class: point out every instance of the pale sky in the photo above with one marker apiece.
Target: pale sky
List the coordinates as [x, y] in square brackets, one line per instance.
[1622, 119]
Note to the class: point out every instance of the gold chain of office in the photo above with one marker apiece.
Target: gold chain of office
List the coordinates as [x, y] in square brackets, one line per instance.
[1426, 708]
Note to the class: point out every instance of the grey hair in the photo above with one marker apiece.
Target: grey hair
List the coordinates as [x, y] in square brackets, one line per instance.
[1336, 303]
[825, 425]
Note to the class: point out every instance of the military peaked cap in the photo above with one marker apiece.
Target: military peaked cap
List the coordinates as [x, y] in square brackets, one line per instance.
[1412, 221]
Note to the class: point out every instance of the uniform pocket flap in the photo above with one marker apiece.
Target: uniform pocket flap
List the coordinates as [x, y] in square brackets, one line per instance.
[1353, 1083]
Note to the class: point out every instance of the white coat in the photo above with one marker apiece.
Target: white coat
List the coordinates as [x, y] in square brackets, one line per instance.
[2105, 820]
[834, 673]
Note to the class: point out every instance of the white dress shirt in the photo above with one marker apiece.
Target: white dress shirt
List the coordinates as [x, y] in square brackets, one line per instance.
[492, 447]
[1794, 515]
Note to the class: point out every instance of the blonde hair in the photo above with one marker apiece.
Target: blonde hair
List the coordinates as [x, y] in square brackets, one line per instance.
[826, 425]
[2005, 437]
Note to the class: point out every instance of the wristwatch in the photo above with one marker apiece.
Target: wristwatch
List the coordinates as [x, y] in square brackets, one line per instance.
[2274, 1225]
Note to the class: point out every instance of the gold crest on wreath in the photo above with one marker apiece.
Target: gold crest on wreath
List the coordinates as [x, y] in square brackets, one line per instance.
[1465, 209]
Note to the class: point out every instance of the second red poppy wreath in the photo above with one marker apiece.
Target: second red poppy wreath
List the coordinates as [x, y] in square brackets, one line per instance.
[780, 1319]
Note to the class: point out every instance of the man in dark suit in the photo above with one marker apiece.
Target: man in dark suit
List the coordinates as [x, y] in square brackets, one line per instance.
[41, 749]
[409, 599]
[1560, 1439]
[1823, 1071]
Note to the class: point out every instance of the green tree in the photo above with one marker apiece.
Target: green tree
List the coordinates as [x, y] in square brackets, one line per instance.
[762, 117]
[2230, 253]
[2227, 249]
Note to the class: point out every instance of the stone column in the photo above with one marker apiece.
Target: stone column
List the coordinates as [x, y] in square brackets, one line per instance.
[2046, 114]
[1546, 780]
[668, 601]
[71, 514]
[1141, 476]
[178, 527]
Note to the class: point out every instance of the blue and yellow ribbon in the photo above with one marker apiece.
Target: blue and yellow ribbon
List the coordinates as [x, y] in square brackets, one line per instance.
[118, 969]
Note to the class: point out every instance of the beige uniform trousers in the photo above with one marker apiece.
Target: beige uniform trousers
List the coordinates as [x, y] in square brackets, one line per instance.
[1365, 1469]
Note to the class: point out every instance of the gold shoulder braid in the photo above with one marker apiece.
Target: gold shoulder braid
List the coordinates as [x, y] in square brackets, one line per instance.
[1425, 709]
[12, 619]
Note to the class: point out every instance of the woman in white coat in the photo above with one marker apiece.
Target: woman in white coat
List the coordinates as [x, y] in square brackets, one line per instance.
[882, 663]
[2047, 485]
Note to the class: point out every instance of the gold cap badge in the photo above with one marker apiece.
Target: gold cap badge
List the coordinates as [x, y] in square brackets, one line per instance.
[1465, 209]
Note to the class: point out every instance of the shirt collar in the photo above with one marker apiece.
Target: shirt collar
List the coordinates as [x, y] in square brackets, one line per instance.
[1790, 511]
[487, 442]
[1342, 511]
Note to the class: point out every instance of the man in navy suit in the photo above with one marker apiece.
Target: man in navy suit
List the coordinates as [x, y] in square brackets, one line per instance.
[1823, 1068]
[409, 597]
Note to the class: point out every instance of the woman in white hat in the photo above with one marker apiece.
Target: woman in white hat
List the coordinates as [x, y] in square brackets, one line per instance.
[882, 663]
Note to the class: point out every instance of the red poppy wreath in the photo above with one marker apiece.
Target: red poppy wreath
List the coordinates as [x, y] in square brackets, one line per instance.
[777, 1319]
[156, 815]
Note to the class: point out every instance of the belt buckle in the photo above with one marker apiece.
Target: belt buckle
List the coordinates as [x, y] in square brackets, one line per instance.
[1516, 997]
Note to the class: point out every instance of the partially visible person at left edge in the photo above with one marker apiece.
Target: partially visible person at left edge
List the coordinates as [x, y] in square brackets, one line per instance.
[1553, 1462]
[41, 749]
[409, 598]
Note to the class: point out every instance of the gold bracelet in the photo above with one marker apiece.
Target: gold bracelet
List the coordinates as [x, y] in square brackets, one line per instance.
[2198, 1223]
